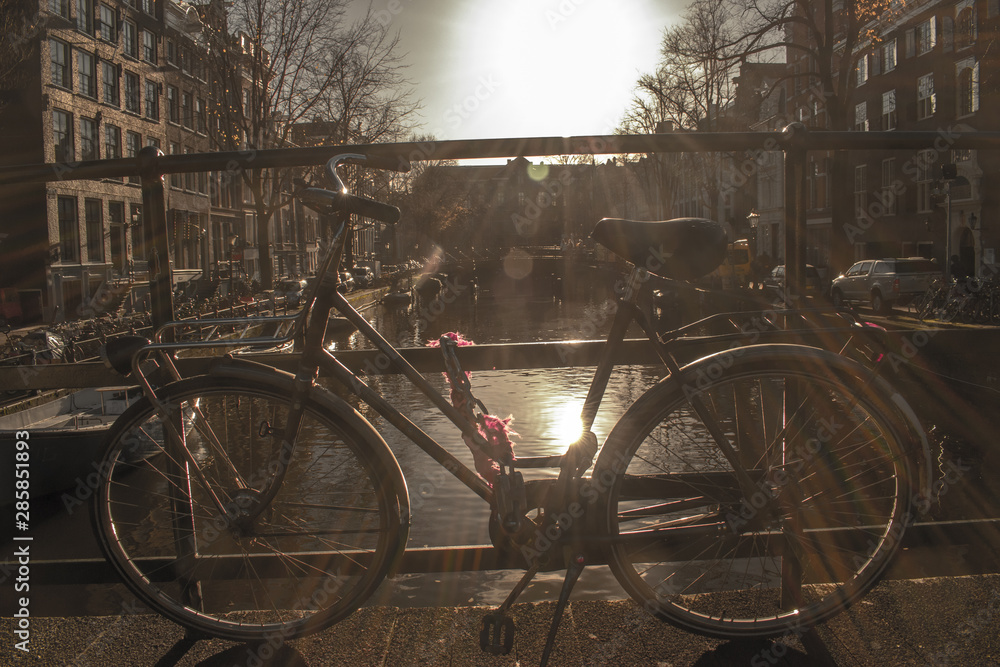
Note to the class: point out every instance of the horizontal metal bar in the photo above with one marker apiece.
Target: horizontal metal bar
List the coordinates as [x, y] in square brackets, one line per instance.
[942, 348]
[508, 148]
[911, 561]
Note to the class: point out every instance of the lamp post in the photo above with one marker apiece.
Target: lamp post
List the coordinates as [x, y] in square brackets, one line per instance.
[753, 220]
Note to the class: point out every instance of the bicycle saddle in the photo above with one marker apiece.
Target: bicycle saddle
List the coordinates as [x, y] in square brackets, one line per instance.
[682, 248]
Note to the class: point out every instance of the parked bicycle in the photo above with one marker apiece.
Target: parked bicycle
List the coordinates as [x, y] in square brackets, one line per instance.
[755, 491]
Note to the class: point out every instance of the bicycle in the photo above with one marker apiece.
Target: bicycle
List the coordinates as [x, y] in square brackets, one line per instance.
[751, 492]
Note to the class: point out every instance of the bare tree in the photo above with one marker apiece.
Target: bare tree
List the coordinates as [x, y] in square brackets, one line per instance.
[822, 42]
[20, 26]
[278, 63]
[691, 90]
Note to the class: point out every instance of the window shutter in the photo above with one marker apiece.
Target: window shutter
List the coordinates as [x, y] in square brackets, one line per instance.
[975, 87]
[992, 8]
[947, 33]
[911, 47]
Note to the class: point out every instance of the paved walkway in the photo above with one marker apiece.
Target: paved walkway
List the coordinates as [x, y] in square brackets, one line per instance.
[942, 621]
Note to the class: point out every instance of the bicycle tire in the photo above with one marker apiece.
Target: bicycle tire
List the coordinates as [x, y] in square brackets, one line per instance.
[696, 551]
[322, 545]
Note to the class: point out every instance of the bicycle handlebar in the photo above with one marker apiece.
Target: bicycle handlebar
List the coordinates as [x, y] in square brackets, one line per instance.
[340, 199]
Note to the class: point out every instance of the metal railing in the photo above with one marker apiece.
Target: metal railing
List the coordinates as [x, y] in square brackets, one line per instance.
[794, 141]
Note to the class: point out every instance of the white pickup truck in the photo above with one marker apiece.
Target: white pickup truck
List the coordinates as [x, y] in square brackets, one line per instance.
[882, 283]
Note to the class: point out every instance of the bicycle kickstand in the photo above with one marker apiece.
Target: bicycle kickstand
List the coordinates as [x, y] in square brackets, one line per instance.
[573, 570]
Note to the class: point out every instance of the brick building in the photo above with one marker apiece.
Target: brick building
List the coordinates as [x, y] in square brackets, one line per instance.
[933, 69]
[103, 79]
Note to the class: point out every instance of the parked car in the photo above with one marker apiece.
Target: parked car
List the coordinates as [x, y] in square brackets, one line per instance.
[883, 283]
[292, 290]
[774, 284]
[363, 276]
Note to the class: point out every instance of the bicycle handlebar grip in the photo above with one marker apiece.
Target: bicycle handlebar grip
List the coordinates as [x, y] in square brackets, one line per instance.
[370, 208]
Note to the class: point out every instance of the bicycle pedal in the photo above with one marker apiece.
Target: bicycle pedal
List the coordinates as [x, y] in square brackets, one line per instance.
[497, 634]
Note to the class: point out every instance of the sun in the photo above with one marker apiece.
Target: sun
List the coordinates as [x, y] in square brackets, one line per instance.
[529, 68]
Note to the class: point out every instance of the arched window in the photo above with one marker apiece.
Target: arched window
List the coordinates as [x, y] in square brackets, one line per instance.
[965, 33]
[968, 90]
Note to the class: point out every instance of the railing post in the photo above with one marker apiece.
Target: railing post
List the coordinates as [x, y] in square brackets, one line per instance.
[154, 221]
[794, 141]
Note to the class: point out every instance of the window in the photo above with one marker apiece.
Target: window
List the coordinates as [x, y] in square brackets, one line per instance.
[968, 86]
[93, 215]
[133, 144]
[133, 101]
[926, 99]
[965, 28]
[154, 142]
[88, 139]
[926, 36]
[888, 196]
[171, 52]
[85, 16]
[862, 70]
[889, 56]
[889, 110]
[62, 136]
[187, 113]
[109, 78]
[152, 100]
[138, 238]
[130, 44]
[112, 142]
[199, 113]
[88, 74]
[107, 24]
[176, 180]
[61, 72]
[148, 47]
[925, 159]
[173, 105]
[69, 230]
[860, 189]
[59, 7]
[189, 177]
[861, 117]
[149, 6]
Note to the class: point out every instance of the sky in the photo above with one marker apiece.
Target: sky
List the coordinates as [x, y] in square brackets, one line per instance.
[526, 68]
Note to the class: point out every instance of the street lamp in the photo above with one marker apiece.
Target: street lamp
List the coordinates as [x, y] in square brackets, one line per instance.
[753, 219]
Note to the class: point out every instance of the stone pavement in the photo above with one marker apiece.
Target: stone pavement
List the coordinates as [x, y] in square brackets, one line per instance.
[940, 621]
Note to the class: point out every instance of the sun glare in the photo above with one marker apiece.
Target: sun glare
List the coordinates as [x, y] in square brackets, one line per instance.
[529, 68]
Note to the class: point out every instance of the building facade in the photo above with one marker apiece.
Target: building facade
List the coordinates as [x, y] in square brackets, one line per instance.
[932, 69]
[103, 79]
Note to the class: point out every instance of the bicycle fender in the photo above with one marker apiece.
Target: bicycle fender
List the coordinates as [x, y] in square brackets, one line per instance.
[255, 371]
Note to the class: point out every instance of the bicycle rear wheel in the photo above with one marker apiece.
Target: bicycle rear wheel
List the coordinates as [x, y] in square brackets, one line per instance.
[816, 528]
[280, 568]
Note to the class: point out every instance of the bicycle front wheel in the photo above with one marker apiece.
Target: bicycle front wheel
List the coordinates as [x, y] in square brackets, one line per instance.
[761, 491]
[278, 532]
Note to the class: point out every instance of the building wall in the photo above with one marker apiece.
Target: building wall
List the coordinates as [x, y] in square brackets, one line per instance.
[147, 86]
[912, 79]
